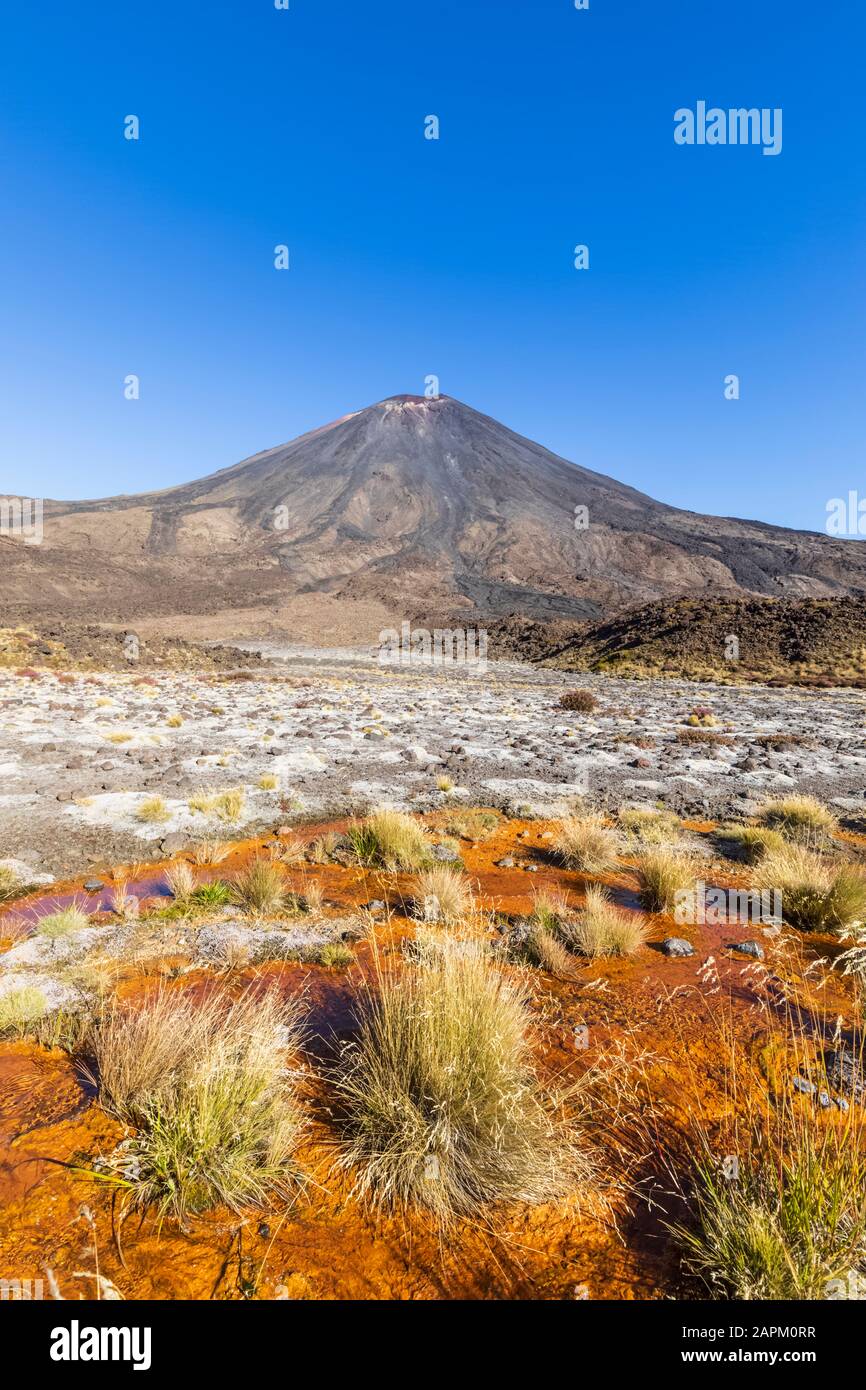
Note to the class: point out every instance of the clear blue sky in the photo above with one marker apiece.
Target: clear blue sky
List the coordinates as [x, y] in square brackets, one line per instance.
[411, 257]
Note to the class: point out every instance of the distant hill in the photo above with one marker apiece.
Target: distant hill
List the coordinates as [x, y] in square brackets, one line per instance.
[792, 641]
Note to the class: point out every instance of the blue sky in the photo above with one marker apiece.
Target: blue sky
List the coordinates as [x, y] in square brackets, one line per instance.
[412, 257]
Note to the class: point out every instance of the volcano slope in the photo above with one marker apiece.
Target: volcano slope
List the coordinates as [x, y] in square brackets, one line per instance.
[411, 508]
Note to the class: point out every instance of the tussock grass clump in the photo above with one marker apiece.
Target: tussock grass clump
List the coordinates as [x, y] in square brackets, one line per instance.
[268, 782]
[695, 734]
[786, 1228]
[289, 849]
[545, 949]
[63, 922]
[790, 1218]
[19, 1008]
[210, 852]
[473, 824]
[180, 881]
[582, 701]
[603, 929]
[443, 1107]
[324, 847]
[336, 956]
[443, 894]
[585, 843]
[649, 827]
[205, 1085]
[444, 783]
[125, 904]
[817, 895]
[259, 887]
[661, 874]
[153, 810]
[749, 844]
[213, 894]
[792, 815]
[313, 896]
[390, 839]
[10, 884]
[550, 909]
[226, 805]
[174, 721]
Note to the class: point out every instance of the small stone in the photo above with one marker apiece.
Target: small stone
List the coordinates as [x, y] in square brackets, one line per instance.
[376, 905]
[806, 1088]
[446, 853]
[824, 1100]
[93, 885]
[749, 948]
[506, 863]
[676, 946]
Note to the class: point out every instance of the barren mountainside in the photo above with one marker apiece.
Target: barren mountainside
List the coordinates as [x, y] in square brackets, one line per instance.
[422, 508]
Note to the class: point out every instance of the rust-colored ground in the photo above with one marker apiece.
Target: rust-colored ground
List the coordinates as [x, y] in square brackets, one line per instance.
[667, 1018]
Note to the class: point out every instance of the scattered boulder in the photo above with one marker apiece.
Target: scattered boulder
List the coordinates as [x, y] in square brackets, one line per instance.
[677, 946]
[749, 948]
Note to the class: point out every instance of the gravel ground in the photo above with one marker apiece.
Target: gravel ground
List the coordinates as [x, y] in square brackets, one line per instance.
[79, 754]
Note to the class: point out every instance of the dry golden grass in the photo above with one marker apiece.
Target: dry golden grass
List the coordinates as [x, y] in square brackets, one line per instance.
[603, 929]
[10, 884]
[749, 843]
[585, 843]
[205, 1084]
[443, 894]
[153, 811]
[793, 815]
[180, 880]
[390, 839]
[473, 823]
[228, 805]
[544, 948]
[785, 1218]
[259, 887]
[649, 827]
[123, 903]
[817, 895]
[210, 852]
[64, 921]
[20, 1009]
[443, 1106]
[288, 849]
[661, 874]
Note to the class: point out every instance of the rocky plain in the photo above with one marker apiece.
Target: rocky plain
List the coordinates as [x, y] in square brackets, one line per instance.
[333, 733]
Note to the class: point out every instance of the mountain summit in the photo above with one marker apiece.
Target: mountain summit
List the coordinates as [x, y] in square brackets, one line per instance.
[421, 507]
